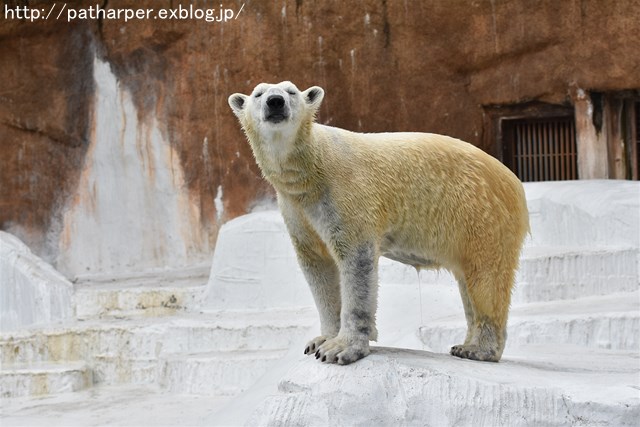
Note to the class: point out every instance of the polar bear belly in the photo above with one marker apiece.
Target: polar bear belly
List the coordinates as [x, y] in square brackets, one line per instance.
[406, 255]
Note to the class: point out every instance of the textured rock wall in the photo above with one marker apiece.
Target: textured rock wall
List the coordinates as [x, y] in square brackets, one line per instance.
[45, 120]
[385, 65]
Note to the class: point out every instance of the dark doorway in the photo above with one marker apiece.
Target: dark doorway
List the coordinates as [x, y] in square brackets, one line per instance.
[630, 135]
[636, 167]
[541, 149]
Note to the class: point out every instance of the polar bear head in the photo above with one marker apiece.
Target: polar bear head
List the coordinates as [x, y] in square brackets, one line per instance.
[275, 113]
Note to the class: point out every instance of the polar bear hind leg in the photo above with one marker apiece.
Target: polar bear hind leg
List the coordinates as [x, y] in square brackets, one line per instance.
[486, 296]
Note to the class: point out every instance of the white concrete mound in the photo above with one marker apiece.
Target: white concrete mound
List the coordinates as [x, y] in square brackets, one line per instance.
[255, 267]
[32, 292]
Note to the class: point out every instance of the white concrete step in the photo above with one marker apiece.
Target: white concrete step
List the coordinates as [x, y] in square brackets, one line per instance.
[82, 341]
[148, 337]
[577, 358]
[604, 322]
[560, 273]
[202, 344]
[134, 351]
[136, 301]
[546, 273]
[18, 380]
[117, 351]
[150, 293]
[409, 387]
[238, 330]
[216, 373]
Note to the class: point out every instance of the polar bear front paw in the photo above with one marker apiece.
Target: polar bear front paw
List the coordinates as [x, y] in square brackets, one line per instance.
[314, 344]
[341, 351]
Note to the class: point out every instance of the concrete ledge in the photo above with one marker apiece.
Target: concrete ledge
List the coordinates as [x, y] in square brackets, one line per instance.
[216, 373]
[598, 322]
[215, 353]
[409, 387]
[158, 292]
[584, 213]
[561, 273]
[149, 301]
[41, 379]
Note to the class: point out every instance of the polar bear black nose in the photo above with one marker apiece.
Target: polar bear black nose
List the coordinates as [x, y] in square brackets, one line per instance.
[275, 101]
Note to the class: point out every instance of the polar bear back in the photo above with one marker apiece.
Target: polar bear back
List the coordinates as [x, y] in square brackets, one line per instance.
[435, 192]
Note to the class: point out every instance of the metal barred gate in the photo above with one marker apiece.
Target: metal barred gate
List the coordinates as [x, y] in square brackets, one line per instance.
[542, 149]
[637, 126]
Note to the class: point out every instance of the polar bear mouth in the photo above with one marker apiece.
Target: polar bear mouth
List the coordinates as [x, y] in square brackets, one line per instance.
[276, 117]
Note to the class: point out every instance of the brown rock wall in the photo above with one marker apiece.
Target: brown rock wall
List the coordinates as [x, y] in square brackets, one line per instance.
[45, 117]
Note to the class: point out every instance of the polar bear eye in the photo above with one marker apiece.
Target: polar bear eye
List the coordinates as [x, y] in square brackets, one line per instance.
[291, 92]
[258, 95]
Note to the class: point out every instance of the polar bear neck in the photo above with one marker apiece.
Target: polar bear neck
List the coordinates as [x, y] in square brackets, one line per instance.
[289, 165]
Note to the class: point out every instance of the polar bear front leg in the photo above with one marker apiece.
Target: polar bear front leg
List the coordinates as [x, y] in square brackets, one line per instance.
[319, 269]
[324, 281]
[359, 291]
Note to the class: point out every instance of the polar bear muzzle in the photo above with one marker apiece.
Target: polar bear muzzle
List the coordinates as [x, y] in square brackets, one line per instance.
[276, 109]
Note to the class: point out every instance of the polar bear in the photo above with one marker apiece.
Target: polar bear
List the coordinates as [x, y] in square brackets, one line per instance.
[422, 199]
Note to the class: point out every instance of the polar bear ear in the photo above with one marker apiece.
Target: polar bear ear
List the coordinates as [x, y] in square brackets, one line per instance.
[238, 102]
[313, 96]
